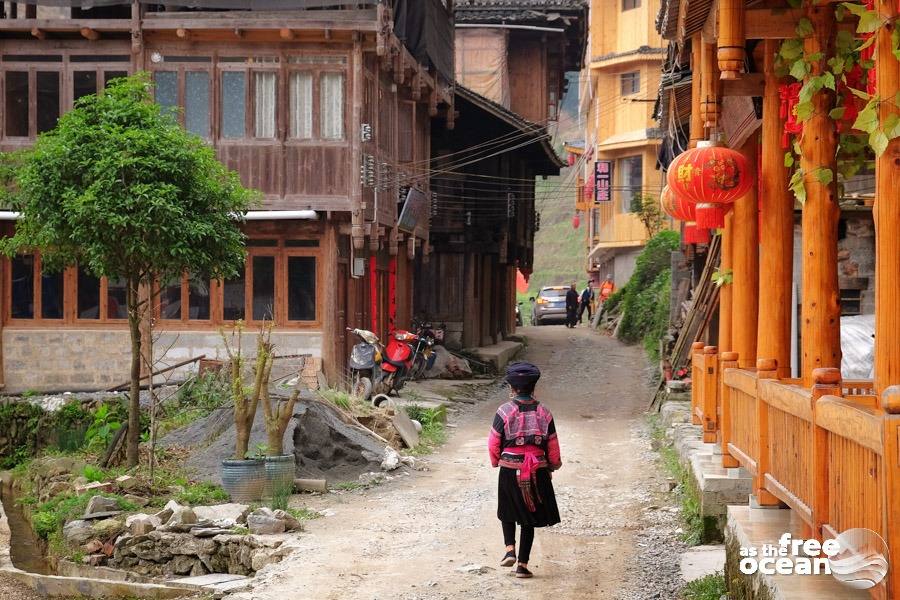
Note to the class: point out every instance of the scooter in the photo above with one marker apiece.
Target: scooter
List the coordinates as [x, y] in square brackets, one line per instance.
[377, 369]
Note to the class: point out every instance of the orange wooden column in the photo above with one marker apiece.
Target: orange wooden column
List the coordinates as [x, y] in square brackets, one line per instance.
[745, 257]
[765, 369]
[826, 382]
[890, 401]
[710, 88]
[776, 235]
[887, 214]
[731, 42]
[727, 360]
[726, 263]
[820, 320]
[697, 132]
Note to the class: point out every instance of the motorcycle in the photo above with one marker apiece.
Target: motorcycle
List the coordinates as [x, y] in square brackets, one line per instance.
[378, 369]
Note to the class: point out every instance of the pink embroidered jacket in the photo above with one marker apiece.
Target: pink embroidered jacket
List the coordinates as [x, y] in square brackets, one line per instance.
[524, 426]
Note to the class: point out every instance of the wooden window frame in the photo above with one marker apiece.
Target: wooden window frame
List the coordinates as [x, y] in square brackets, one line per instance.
[65, 67]
[630, 4]
[249, 68]
[184, 321]
[181, 69]
[632, 77]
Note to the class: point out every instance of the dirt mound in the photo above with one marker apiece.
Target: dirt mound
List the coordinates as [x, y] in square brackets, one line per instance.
[324, 443]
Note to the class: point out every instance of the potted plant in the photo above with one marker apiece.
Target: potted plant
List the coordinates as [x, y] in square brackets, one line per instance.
[244, 477]
[278, 412]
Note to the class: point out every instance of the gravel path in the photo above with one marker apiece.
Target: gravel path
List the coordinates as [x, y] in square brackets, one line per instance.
[434, 535]
[10, 589]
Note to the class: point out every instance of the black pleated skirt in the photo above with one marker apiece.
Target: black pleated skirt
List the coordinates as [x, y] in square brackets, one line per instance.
[511, 505]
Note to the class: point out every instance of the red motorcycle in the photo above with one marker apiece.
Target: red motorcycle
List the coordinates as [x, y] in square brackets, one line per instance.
[383, 370]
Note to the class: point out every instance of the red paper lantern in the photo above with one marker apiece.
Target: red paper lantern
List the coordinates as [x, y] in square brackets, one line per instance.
[683, 210]
[576, 221]
[712, 177]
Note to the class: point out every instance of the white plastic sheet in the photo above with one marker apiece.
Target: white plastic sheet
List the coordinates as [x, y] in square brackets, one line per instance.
[858, 347]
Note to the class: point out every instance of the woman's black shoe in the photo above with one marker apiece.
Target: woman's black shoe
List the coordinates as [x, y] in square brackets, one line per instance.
[523, 573]
[509, 559]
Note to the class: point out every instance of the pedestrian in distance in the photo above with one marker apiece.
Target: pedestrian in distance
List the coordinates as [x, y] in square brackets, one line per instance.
[587, 299]
[523, 443]
[571, 306]
[606, 289]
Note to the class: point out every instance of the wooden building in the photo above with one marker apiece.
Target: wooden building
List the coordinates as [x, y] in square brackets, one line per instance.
[823, 446]
[324, 106]
[483, 219]
[511, 60]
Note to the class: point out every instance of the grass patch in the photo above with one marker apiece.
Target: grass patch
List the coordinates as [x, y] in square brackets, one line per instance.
[338, 398]
[201, 493]
[348, 486]
[434, 432]
[303, 514]
[49, 517]
[697, 528]
[709, 587]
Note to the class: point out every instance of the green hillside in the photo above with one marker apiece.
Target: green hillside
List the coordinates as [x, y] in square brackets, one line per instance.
[559, 252]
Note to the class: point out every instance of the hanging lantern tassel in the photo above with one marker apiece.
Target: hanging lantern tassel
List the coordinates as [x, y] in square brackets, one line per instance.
[694, 234]
[711, 216]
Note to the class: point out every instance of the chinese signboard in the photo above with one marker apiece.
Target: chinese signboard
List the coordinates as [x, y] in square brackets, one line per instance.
[603, 181]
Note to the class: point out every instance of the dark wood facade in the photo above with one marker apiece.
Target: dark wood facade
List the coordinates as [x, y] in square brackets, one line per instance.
[321, 106]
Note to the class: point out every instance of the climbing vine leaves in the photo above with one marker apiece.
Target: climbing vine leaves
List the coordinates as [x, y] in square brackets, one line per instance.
[854, 103]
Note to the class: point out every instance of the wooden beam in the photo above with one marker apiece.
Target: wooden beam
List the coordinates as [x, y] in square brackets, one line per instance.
[38, 33]
[772, 23]
[749, 84]
[776, 235]
[887, 214]
[90, 34]
[286, 34]
[238, 32]
[726, 262]
[183, 33]
[731, 40]
[711, 90]
[821, 313]
[697, 132]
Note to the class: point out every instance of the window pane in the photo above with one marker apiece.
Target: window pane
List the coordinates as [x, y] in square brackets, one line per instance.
[47, 100]
[88, 296]
[263, 287]
[332, 106]
[51, 295]
[167, 91]
[84, 83]
[23, 287]
[196, 100]
[301, 105]
[234, 104]
[110, 75]
[233, 298]
[301, 288]
[632, 180]
[264, 84]
[16, 116]
[198, 299]
[170, 301]
[116, 299]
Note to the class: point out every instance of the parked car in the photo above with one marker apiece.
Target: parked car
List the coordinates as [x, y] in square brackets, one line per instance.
[550, 305]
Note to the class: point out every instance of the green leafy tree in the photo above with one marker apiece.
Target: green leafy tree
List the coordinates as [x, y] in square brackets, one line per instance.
[120, 189]
[646, 207]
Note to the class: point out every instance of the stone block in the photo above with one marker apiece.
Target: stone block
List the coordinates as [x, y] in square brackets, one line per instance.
[100, 504]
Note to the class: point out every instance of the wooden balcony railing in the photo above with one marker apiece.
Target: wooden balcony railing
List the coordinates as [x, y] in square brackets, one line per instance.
[830, 453]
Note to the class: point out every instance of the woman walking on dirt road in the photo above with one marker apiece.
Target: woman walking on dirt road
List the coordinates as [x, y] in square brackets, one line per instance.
[524, 445]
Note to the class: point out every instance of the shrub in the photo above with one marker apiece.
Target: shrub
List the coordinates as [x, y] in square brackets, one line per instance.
[202, 493]
[644, 299]
[44, 524]
[92, 473]
[433, 431]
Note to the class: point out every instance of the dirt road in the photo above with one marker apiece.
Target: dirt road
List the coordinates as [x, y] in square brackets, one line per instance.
[416, 538]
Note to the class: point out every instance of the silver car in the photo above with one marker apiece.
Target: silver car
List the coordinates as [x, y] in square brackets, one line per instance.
[550, 305]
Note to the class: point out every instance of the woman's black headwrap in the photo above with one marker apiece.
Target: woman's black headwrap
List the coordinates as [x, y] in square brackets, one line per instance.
[522, 375]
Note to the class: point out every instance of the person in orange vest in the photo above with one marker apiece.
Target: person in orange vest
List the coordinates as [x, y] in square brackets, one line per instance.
[606, 289]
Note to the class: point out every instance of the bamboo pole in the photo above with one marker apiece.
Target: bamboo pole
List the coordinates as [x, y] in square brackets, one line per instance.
[745, 260]
[776, 235]
[731, 38]
[710, 88]
[821, 313]
[727, 289]
[696, 89]
[887, 212]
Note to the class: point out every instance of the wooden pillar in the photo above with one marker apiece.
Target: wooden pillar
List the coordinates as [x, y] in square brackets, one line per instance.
[826, 382]
[696, 381]
[727, 360]
[765, 369]
[776, 235]
[890, 401]
[731, 38]
[887, 212]
[697, 132]
[820, 322]
[710, 88]
[709, 399]
[726, 291]
[745, 261]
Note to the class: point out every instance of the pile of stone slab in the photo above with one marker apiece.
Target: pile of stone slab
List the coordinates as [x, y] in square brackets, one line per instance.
[180, 540]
